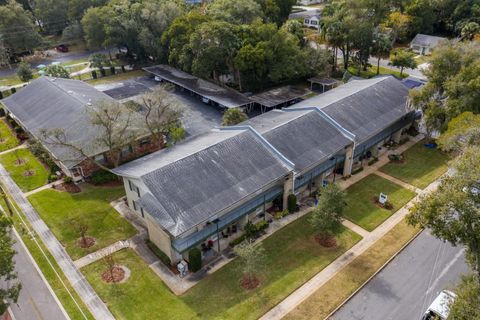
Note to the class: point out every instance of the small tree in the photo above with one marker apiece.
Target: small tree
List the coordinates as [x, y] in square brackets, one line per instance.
[327, 216]
[24, 71]
[177, 133]
[381, 48]
[81, 228]
[162, 112]
[470, 30]
[195, 259]
[402, 58]
[251, 257]
[57, 71]
[291, 203]
[234, 116]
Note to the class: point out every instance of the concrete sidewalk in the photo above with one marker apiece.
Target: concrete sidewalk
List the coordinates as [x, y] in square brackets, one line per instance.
[96, 306]
[305, 291]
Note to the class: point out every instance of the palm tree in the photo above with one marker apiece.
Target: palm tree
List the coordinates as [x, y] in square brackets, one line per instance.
[381, 48]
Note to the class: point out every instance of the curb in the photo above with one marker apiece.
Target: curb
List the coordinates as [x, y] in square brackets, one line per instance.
[373, 275]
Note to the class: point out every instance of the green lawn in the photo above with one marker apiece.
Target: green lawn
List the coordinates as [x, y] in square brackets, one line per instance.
[8, 140]
[422, 166]
[59, 210]
[361, 209]
[142, 296]
[292, 258]
[119, 76]
[372, 72]
[29, 163]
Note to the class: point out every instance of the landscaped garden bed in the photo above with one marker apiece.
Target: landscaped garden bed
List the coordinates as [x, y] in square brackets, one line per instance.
[68, 215]
[420, 166]
[27, 172]
[362, 197]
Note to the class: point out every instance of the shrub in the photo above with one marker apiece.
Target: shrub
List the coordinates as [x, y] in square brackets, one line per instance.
[52, 178]
[68, 179]
[159, 253]
[281, 214]
[195, 259]
[40, 153]
[292, 203]
[260, 226]
[374, 160]
[360, 169]
[24, 71]
[102, 176]
[250, 229]
[237, 241]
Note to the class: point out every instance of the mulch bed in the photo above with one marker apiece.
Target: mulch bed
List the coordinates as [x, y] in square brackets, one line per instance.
[387, 206]
[249, 283]
[87, 242]
[68, 187]
[113, 275]
[19, 162]
[327, 242]
[29, 173]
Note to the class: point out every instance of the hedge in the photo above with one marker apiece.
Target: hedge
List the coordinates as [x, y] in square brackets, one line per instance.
[292, 203]
[195, 259]
[159, 253]
[102, 176]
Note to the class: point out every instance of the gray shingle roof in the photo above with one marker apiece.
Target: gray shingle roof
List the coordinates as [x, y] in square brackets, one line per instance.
[363, 107]
[197, 179]
[277, 96]
[425, 40]
[227, 97]
[48, 103]
[304, 137]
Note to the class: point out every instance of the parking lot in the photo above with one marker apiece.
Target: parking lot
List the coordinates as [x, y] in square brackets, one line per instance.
[197, 118]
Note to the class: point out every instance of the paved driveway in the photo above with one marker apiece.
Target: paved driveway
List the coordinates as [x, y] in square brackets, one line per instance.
[409, 284]
[198, 117]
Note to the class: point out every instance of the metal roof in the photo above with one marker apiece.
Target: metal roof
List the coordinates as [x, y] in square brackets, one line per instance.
[195, 180]
[426, 40]
[305, 137]
[224, 96]
[363, 107]
[49, 103]
[278, 96]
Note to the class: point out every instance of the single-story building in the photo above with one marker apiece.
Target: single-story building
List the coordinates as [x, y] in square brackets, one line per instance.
[54, 103]
[424, 44]
[312, 21]
[208, 92]
[281, 97]
[201, 191]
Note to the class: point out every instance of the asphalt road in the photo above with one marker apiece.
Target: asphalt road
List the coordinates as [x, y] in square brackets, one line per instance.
[36, 302]
[409, 284]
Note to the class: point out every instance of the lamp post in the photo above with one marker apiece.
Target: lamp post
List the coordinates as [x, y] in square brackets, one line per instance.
[216, 221]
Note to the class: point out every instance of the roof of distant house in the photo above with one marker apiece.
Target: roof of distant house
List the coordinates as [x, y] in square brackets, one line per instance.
[363, 107]
[198, 178]
[51, 103]
[426, 40]
[225, 96]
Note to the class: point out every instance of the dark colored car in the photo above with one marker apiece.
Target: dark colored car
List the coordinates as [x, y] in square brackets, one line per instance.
[61, 48]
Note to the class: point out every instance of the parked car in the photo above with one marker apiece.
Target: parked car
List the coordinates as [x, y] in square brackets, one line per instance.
[439, 309]
[62, 48]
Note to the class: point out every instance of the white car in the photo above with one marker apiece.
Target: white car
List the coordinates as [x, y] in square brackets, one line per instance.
[439, 309]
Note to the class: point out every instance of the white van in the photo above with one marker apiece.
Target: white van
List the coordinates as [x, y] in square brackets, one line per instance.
[439, 309]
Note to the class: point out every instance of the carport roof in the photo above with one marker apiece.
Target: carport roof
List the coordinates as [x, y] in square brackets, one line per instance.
[278, 96]
[363, 107]
[305, 137]
[199, 178]
[226, 97]
[50, 103]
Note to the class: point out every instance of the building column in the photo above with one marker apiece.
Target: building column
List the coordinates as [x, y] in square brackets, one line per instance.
[396, 136]
[347, 165]
[287, 190]
[374, 149]
[319, 180]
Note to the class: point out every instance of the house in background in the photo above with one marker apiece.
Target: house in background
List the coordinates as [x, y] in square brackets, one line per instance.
[203, 191]
[312, 22]
[424, 44]
[56, 103]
